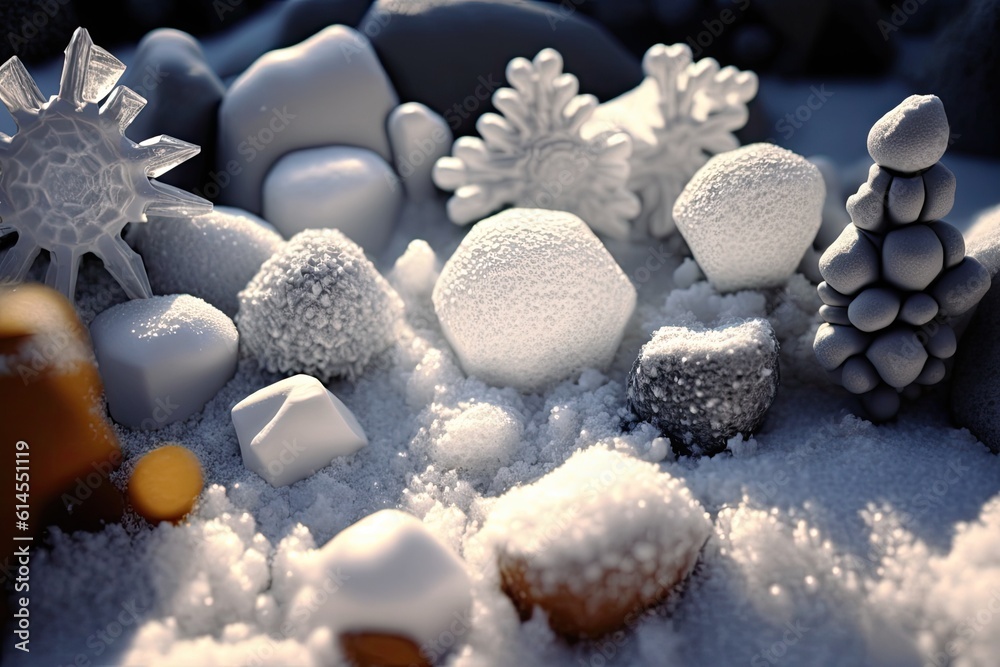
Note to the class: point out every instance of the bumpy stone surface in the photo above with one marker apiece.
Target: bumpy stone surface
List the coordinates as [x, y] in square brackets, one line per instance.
[318, 307]
[911, 137]
[294, 427]
[983, 239]
[211, 256]
[163, 358]
[749, 215]
[701, 388]
[912, 266]
[531, 297]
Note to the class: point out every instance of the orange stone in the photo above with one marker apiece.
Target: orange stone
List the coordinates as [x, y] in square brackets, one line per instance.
[51, 396]
[165, 484]
[374, 649]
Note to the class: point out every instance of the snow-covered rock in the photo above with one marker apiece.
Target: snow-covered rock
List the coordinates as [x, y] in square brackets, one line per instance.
[418, 137]
[983, 239]
[480, 439]
[532, 296]
[701, 388]
[387, 574]
[211, 256]
[912, 136]
[338, 187]
[750, 214]
[294, 427]
[163, 358]
[319, 307]
[596, 541]
[329, 90]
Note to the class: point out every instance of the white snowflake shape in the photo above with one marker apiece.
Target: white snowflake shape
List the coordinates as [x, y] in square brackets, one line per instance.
[681, 115]
[70, 180]
[535, 156]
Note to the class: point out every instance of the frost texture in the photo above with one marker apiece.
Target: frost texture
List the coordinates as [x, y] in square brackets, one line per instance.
[530, 297]
[682, 114]
[318, 307]
[702, 388]
[71, 180]
[535, 156]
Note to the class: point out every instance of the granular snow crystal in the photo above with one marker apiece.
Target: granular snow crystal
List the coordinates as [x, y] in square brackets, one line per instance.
[318, 307]
[532, 296]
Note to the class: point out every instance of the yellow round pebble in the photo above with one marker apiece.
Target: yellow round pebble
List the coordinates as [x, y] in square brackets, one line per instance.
[165, 484]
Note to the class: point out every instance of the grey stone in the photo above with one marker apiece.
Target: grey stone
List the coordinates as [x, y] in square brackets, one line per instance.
[939, 192]
[912, 136]
[858, 376]
[906, 199]
[881, 404]
[834, 314]
[912, 257]
[961, 287]
[698, 397]
[918, 309]
[329, 90]
[834, 344]
[975, 392]
[418, 137]
[942, 343]
[874, 308]
[898, 356]
[851, 263]
[952, 241]
[867, 206]
[832, 297]
[934, 371]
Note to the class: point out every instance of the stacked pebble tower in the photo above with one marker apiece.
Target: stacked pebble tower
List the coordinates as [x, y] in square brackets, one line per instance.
[896, 276]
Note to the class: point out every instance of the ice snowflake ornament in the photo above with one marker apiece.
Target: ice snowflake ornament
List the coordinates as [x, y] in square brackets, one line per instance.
[535, 156]
[70, 180]
[682, 114]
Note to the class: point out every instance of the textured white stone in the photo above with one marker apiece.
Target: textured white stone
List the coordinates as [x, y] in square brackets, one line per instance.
[338, 187]
[418, 137]
[750, 214]
[163, 358]
[386, 573]
[532, 296]
[294, 427]
[912, 136]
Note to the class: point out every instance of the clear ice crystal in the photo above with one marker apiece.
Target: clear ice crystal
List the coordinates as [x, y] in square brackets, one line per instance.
[70, 180]
[535, 155]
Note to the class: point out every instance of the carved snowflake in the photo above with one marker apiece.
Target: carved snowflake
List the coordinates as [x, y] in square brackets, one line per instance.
[70, 180]
[682, 114]
[535, 156]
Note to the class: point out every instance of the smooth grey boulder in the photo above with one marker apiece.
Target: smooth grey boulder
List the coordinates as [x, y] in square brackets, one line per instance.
[329, 90]
[898, 356]
[867, 206]
[939, 192]
[961, 287]
[834, 344]
[918, 309]
[858, 375]
[873, 309]
[851, 262]
[906, 199]
[952, 241]
[912, 136]
[912, 257]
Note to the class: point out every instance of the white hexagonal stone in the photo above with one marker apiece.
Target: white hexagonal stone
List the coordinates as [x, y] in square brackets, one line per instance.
[163, 358]
[386, 574]
[292, 428]
[531, 297]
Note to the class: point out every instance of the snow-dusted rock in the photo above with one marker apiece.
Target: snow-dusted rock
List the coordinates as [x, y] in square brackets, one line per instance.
[319, 307]
[163, 358]
[338, 187]
[211, 256]
[750, 214]
[874, 309]
[481, 439]
[701, 388]
[384, 575]
[596, 541]
[532, 296]
[851, 263]
[912, 136]
[912, 257]
[898, 356]
[418, 137]
[294, 427]
[951, 240]
[939, 192]
[961, 287]
[329, 90]
[983, 239]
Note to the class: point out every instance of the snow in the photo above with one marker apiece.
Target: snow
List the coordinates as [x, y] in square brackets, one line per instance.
[162, 358]
[292, 428]
[531, 297]
[211, 256]
[318, 306]
[749, 215]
